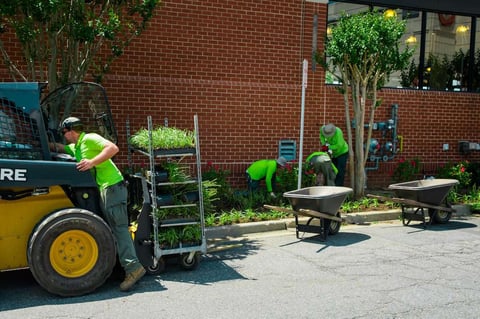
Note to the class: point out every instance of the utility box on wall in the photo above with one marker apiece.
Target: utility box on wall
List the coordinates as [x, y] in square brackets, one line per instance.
[465, 147]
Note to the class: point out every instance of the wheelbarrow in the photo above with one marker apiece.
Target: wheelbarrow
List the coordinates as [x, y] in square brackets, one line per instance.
[422, 198]
[316, 202]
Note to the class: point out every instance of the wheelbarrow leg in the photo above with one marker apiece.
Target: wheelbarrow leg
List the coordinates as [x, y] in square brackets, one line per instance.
[418, 214]
[325, 224]
[296, 227]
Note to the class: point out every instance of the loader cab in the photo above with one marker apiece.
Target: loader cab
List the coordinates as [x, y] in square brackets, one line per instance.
[29, 127]
[84, 100]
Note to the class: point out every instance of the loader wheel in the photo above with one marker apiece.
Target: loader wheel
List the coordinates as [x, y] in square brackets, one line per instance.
[189, 264]
[71, 252]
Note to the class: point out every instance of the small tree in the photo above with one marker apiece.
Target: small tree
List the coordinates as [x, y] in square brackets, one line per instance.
[63, 40]
[362, 52]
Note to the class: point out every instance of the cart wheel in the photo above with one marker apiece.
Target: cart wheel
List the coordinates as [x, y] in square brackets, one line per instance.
[158, 269]
[334, 226]
[189, 262]
[439, 217]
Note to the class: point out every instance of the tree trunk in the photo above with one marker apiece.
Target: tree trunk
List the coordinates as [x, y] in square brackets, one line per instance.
[359, 107]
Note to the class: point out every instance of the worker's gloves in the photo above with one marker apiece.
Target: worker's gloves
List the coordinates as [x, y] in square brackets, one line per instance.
[324, 148]
[273, 195]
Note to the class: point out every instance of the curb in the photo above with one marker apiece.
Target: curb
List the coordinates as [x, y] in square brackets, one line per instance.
[238, 230]
[362, 218]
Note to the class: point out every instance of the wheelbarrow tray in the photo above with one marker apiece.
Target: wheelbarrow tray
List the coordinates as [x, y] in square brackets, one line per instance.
[429, 191]
[324, 199]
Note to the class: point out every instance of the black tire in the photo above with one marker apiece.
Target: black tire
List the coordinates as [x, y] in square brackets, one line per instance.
[192, 264]
[334, 226]
[71, 252]
[441, 217]
[160, 268]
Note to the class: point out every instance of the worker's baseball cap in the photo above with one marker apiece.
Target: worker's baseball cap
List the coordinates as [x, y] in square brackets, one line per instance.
[71, 122]
[281, 161]
[328, 130]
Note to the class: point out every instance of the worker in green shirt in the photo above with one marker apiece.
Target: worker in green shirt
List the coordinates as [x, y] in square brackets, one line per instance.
[332, 141]
[93, 153]
[324, 169]
[265, 169]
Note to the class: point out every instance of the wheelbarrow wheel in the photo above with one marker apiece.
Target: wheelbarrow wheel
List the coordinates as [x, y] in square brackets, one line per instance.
[439, 216]
[334, 226]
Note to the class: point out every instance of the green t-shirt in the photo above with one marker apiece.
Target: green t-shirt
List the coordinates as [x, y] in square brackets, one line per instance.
[336, 142]
[88, 146]
[263, 169]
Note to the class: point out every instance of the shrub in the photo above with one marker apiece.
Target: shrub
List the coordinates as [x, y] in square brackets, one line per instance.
[217, 178]
[288, 177]
[406, 170]
[458, 171]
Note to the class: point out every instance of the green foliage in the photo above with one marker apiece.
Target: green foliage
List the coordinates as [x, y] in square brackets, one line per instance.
[460, 172]
[210, 195]
[409, 75]
[288, 177]
[406, 170]
[191, 234]
[365, 46]
[169, 237]
[163, 137]
[218, 179]
[365, 204]
[243, 216]
[62, 40]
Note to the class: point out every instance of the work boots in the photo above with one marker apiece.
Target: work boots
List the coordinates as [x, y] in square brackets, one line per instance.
[131, 278]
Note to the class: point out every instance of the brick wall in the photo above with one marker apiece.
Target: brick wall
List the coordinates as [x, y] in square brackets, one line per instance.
[238, 65]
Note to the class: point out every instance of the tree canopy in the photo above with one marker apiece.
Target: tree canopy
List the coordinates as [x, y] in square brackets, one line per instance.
[362, 52]
[62, 41]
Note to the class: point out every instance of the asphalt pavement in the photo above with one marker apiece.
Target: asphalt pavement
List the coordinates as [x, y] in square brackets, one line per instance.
[378, 269]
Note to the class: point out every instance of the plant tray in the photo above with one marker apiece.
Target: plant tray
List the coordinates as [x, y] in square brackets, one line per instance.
[168, 152]
[174, 151]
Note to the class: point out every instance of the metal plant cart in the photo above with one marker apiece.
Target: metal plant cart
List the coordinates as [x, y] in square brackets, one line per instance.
[316, 202]
[150, 250]
[422, 198]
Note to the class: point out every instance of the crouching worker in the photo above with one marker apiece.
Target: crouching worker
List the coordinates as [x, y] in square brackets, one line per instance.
[264, 170]
[323, 167]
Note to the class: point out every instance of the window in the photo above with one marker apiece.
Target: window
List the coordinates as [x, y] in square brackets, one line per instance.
[443, 42]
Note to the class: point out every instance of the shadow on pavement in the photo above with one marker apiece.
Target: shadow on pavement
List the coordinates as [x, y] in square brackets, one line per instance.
[451, 225]
[20, 290]
[338, 240]
[213, 267]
